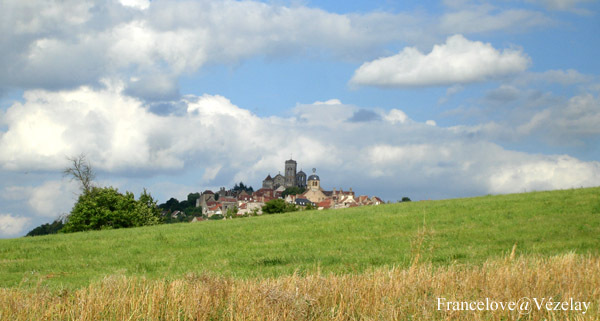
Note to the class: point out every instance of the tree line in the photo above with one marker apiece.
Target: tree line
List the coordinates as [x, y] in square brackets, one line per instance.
[99, 208]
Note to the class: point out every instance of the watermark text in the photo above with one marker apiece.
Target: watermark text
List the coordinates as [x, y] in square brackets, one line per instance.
[524, 305]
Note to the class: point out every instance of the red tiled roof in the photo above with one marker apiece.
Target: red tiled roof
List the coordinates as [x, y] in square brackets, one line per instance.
[325, 204]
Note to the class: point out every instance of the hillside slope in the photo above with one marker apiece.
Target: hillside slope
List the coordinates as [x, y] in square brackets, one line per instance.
[468, 230]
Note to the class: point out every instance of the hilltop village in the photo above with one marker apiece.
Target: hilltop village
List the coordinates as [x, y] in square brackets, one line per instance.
[311, 195]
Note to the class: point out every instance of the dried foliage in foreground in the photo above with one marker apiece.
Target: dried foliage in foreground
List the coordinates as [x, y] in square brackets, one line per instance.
[382, 294]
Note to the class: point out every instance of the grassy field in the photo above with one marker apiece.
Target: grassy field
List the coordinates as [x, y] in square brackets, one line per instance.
[351, 241]
[381, 294]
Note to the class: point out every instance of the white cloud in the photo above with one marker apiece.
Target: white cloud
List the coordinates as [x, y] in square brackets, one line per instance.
[543, 173]
[484, 165]
[71, 43]
[220, 143]
[458, 61]
[328, 113]
[396, 116]
[577, 119]
[11, 226]
[487, 18]
[328, 102]
[113, 129]
[138, 4]
[53, 198]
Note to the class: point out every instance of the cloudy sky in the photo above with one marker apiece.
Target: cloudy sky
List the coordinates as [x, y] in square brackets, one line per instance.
[425, 99]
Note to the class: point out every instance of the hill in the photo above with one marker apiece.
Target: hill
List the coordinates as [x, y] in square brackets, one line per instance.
[447, 232]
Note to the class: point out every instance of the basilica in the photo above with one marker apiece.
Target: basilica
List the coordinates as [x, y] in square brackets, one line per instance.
[273, 188]
[313, 192]
[291, 178]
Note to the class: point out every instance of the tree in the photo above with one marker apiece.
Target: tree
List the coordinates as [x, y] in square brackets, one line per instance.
[405, 199]
[278, 206]
[231, 212]
[192, 197]
[47, 228]
[171, 205]
[241, 187]
[292, 191]
[81, 170]
[106, 208]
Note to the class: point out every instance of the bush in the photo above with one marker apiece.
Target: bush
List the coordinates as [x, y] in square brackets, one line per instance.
[278, 206]
[45, 229]
[106, 208]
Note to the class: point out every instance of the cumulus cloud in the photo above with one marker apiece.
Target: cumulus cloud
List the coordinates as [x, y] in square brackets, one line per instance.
[486, 166]
[524, 173]
[138, 4]
[363, 115]
[230, 144]
[11, 226]
[53, 198]
[50, 199]
[396, 116]
[112, 128]
[458, 61]
[154, 88]
[577, 119]
[66, 44]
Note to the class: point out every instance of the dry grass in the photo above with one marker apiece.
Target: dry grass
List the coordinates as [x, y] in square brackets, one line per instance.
[382, 294]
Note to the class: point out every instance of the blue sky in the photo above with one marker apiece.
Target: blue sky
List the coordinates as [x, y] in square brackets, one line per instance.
[426, 99]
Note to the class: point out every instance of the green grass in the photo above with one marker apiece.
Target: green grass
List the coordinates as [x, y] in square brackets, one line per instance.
[469, 230]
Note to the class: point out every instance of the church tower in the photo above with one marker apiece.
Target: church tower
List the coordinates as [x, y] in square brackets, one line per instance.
[301, 179]
[314, 182]
[290, 173]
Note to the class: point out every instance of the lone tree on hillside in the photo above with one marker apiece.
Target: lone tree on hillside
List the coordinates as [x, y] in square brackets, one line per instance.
[105, 207]
[81, 170]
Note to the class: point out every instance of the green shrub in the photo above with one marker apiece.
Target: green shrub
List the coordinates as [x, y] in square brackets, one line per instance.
[106, 208]
[278, 206]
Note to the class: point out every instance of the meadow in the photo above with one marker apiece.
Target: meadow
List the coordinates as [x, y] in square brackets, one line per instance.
[381, 262]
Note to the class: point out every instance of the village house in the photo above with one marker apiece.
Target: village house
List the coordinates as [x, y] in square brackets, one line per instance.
[273, 188]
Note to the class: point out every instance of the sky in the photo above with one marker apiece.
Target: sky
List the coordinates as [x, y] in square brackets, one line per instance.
[423, 99]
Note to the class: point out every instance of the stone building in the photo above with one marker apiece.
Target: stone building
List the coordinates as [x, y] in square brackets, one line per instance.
[291, 178]
[314, 192]
[278, 181]
[268, 182]
[301, 179]
[290, 173]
